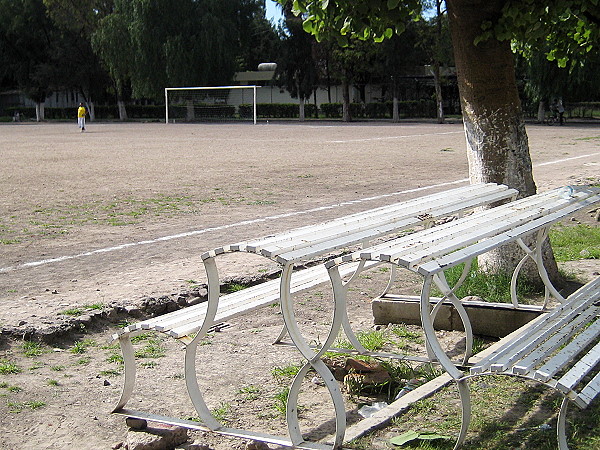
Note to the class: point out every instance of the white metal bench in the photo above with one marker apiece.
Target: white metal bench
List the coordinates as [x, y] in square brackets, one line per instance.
[191, 324]
[430, 252]
[560, 349]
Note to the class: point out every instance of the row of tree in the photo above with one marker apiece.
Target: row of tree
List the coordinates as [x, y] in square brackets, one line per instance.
[113, 51]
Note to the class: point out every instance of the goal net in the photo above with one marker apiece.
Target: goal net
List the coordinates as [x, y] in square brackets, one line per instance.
[221, 103]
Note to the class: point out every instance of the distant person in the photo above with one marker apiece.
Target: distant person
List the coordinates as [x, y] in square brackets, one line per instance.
[81, 117]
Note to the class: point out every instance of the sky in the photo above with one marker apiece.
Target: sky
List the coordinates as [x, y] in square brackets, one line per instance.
[273, 11]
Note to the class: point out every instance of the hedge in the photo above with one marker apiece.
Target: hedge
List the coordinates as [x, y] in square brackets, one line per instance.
[382, 110]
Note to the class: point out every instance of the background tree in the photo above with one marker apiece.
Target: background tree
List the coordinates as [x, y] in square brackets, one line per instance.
[296, 68]
[29, 44]
[80, 67]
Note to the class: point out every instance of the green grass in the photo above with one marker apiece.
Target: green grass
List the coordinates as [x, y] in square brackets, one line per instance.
[80, 347]
[222, 412]
[8, 367]
[32, 349]
[280, 401]
[489, 286]
[285, 372]
[575, 242]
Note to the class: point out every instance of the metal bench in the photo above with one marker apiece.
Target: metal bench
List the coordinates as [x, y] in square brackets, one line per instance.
[430, 252]
[191, 324]
[560, 349]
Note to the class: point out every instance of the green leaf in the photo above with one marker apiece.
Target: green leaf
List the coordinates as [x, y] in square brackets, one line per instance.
[404, 438]
[412, 435]
[393, 4]
[432, 436]
[307, 25]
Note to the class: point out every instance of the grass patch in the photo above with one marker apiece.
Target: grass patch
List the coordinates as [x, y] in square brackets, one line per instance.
[80, 347]
[8, 367]
[32, 349]
[575, 242]
[285, 372]
[17, 407]
[489, 286]
[280, 401]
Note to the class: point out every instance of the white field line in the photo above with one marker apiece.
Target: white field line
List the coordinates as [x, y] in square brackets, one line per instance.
[558, 161]
[388, 138]
[220, 228]
[249, 222]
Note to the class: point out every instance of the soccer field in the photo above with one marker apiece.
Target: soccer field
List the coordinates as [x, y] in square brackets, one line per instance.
[126, 209]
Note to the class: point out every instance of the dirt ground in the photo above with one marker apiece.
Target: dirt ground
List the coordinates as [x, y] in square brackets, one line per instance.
[124, 211]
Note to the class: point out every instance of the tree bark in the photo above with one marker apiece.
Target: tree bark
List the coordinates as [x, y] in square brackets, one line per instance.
[346, 116]
[497, 144]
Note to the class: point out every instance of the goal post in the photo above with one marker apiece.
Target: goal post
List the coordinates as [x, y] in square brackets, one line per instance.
[210, 103]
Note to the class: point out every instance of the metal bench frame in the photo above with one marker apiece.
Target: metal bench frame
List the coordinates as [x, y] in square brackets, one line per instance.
[290, 249]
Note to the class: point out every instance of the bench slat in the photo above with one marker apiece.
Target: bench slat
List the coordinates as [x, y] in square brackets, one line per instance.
[508, 360]
[377, 228]
[542, 351]
[566, 355]
[585, 365]
[467, 253]
[577, 302]
[590, 391]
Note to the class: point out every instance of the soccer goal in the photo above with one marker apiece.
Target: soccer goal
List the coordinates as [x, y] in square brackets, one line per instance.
[217, 103]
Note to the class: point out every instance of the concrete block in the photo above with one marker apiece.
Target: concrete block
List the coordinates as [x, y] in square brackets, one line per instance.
[487, 318]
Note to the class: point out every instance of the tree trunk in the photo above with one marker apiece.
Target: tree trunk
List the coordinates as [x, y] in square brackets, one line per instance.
[301, 109]
[541, 115]
[92, 111]
[395, 112]
[438, 92]
[122, 110]
[497, 144]
[40, 113]
[346, 116]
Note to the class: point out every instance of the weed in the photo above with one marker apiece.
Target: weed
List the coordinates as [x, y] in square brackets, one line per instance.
[57, 368]
[115, 358]
[222, 412]
[17, 407]
[110, 373]
[52, 382]
[249, 393]
[72, 312]
[150, 350]
[280, 401]
[234, 287]
[14, 389]
[285, 372]
[80, 347]
[31, 349]
[83, 361]
[149, 364]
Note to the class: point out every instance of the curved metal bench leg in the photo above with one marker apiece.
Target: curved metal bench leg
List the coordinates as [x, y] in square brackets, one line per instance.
[336, 396]
[562, 425]
[191, 379]
[130, 370]
[442, 284]
[465, 403]
[340, 293]
[191, 382]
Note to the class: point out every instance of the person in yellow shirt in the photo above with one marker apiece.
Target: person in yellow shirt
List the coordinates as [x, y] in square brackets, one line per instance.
[81, 117]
